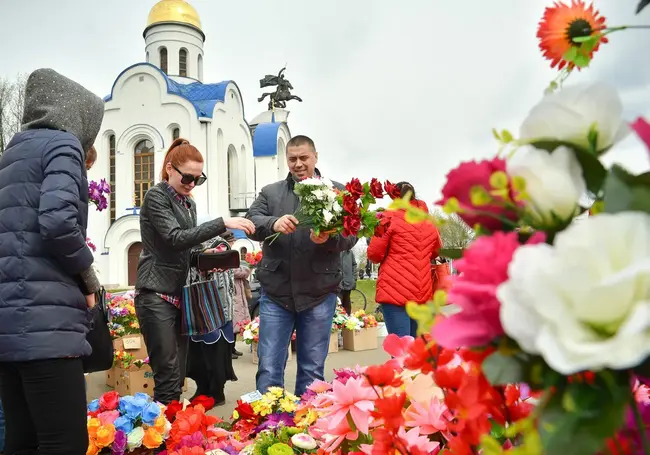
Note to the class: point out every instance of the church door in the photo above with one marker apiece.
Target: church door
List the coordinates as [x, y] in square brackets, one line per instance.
[134, 256]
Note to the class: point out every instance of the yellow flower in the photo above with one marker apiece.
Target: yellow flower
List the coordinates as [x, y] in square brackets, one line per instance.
[93, 425]
[288, 405]
[276, 391]
[262, 408]
[235, 415]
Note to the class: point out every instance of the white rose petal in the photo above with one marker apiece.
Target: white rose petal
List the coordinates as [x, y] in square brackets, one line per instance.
[304, 441]
[554, 181]
[569, 114]
[584, 303]
[327, 216]
[336, 208]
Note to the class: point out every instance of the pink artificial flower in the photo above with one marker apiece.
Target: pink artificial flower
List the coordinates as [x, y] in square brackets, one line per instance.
[108, 417]
[332, 436]
[397, 348]
[642, 129]
[355, 398]
[429, 419]
[641, 392]
[483, 267]
[413, 439]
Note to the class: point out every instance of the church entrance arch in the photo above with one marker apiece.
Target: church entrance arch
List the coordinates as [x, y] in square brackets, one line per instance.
[233, 178]
[132, 263]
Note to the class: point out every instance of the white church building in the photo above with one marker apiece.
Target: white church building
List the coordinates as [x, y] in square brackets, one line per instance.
[152, 103]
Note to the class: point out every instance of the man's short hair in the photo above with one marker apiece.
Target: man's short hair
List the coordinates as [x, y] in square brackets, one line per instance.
[297, 141]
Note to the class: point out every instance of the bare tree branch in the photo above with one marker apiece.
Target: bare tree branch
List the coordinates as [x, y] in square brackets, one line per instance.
[454, 232]
[12, 104]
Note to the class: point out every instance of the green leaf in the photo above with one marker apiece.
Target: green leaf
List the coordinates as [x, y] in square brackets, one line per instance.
[501, 369]
[582, 60]
[624, 191]
[495, 133]
[506, 136]
[451, 253]
[571, 54]
[582, 39]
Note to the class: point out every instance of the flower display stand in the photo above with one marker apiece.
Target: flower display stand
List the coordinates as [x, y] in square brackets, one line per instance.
[111, 377]
[133, 380]
[334, 342]
[360, 340]
[133, 344]
[256, 359]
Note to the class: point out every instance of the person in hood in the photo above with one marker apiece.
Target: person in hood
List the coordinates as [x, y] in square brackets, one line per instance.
[47, 282]
[405, 252]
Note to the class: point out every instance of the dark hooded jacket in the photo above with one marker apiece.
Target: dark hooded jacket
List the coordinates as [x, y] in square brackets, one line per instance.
[45, 264]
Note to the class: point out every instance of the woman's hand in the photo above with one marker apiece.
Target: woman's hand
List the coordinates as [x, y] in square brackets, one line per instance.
[90, 301]
[240, 223]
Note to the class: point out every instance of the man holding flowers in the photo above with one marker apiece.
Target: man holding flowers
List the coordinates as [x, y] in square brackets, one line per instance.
[300, 273]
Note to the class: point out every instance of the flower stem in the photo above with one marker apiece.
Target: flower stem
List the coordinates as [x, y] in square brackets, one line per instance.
[640, 425]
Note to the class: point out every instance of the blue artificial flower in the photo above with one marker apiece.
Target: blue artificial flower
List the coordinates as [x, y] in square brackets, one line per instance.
[93, 406]
[133, 406]
[142, 396]
[123, 423]
[150, 413]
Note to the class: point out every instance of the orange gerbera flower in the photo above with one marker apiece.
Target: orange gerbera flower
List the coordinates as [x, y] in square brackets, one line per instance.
[562, 24]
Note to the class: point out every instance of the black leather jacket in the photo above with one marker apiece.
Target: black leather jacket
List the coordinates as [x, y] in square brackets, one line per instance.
[170, 238]
[295, 272]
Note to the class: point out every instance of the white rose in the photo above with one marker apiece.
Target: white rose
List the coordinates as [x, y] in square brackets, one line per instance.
[327, 216]
[248, 334]
[570, 113]
[336, 207]
[303, 441]
[584, 303]
[318, 194]
[554, 182]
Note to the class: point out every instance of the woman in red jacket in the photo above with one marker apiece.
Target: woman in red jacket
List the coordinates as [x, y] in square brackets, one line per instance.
[405, 253]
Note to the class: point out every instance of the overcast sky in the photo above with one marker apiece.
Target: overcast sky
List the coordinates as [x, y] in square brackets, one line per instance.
[400, 90]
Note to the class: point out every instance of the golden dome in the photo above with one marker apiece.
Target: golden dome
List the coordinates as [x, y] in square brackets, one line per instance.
[178, 11]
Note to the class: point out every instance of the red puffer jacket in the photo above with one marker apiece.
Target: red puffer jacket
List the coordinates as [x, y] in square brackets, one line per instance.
[405, 253]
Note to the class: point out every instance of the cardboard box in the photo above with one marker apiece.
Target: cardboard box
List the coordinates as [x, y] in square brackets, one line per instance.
[256, 359]
[360, 340]
[133, 344]
[334, 343]
[111, 377]
[134, 380]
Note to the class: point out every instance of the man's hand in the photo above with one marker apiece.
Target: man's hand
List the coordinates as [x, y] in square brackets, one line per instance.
[90, 301]
[286, 224]
[320, 238]
[240, 223]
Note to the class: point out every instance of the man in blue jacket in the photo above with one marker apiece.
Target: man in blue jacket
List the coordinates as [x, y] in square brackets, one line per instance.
[47, 281]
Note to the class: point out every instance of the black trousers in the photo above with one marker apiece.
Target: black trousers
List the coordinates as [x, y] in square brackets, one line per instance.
[346, 301]
[160, 323]
[44, 403]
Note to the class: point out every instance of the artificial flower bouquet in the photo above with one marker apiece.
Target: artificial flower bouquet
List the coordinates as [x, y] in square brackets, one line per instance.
[251, 332]
[121, 314]
[339, 320]
[254, 258]
[97, 194]
[123, 359]
[327, 209]
[360, 320]
[128, 424]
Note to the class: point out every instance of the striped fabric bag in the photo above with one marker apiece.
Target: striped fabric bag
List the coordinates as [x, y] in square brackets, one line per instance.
[202, 310]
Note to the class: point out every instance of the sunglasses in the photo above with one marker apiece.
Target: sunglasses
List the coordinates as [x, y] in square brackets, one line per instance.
[186, 179]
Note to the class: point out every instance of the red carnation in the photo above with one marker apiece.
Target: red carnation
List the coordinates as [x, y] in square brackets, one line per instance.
[350, 205]
[109, 401]
[460, 182]
[172, 409]
[205, 401]
[351, 226]
[355, 188]
[392, 190]
[376, 189]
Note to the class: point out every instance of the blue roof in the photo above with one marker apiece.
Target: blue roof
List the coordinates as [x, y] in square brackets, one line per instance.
[202, 96]
[265, 139]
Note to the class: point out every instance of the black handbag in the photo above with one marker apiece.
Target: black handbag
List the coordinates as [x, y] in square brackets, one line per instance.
[222, 260]
[99, 337]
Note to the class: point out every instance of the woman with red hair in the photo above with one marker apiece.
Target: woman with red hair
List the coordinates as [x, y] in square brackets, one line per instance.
[170, 237]
[405, 253]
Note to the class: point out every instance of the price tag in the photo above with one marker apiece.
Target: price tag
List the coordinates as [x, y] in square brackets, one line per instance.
[251, 397]
[132, 343]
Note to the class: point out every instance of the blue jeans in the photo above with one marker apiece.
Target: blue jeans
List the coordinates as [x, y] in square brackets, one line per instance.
[398, 321]
[313, 328]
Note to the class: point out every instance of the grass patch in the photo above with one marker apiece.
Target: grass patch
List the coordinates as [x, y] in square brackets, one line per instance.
[369, 289]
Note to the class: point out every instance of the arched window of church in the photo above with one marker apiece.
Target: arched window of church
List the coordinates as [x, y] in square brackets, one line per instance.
[147, 56]
[163, 59]
[143, 169]
[182, 63]
[200, 67]
[176, 133]
[111, 174]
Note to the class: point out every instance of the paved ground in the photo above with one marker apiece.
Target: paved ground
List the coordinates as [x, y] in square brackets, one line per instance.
[245, 370]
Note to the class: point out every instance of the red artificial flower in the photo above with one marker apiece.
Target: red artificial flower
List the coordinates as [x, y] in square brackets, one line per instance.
[172, 409]
[390, 410]
[355, 188]
[351, 226]
[561, 24]
[245, 411]
[382, 376]
[376, 189]
[350, 205]
[392, 191]
[382, 227]
[468, 175]
[419, 356]
[203, 400]
[109, 401]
